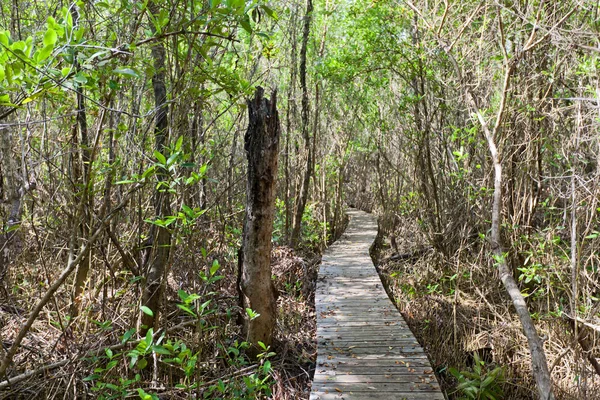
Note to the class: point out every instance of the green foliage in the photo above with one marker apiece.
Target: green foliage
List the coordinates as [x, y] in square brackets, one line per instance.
[312, 228]
[109, 385]
[255, 385]
[279, 221]
[480, 383]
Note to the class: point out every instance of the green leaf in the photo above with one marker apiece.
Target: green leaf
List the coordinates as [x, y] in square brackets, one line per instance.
[50, 37]
[182, 295]
[215, 267]
[44, 53]
[205, 304]
[79, 34]
[4, 38]
[51, 22]
[267, 366]
[126, 181]
[19, 46]
[246, 25]
[134, 358]
[141, 364]
[128, 335]
[112, 386]
[2, 72]
[81, 78]
[127, 72]
[188, 211]
[144, 395]
[270, 12]
[148, 340]
[252, 314]
[160, 157]
[172, 159]
[186, 309]
[161, 350]
[147, 311]
[487, 381]
[179, 143]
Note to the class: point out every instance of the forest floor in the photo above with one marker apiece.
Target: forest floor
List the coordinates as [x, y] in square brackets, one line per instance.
[465, 321]
[94, 356]
[452, 334]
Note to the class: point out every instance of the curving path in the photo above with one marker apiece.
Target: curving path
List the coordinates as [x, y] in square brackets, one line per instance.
[365, 348]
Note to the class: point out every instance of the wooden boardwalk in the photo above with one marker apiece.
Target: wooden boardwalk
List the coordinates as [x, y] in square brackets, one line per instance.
[365, 348]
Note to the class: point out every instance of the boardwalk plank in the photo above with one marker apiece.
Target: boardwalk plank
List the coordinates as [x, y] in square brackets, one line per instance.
[365, 348]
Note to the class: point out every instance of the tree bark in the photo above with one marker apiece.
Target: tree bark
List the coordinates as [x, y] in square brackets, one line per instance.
[290, 119]
[261, 143]
[303, 195]
[86, 156]
[160, 236]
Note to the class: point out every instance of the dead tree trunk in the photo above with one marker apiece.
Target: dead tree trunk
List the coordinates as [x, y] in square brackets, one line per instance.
[261, 143]
[160, 236]
[303, 195]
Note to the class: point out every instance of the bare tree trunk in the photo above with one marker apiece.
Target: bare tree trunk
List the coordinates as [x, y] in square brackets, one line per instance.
[160, 236]
[303, 195]
[290, 120]
[86, 156]
[10, 193]
[230, 168]
[262, 149]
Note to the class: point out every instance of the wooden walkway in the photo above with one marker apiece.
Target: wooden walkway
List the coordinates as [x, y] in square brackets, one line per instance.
[365, 348]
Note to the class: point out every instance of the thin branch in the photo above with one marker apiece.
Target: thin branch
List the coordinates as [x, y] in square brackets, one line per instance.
[184, 32]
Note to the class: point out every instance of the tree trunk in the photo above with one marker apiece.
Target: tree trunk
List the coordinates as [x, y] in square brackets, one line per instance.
[86, 156]
[11, 193]
[160, 236]
[262, 149]
[290, 120]
[303, 195]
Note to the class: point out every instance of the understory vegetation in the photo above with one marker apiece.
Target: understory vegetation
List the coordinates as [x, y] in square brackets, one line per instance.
[470, 128]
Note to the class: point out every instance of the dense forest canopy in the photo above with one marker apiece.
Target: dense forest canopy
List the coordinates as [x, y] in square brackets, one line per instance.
[471, 128]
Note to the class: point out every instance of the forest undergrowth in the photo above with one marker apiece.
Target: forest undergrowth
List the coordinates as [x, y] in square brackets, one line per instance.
[199, 352]
[466, 323]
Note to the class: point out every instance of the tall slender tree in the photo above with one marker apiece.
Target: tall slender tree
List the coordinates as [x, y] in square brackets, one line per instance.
[308, 149]
[160, 236]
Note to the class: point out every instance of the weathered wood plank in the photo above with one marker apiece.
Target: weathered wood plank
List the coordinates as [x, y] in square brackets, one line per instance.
[373, 395]
[419, 386]
[376, 370]
[365, 348]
